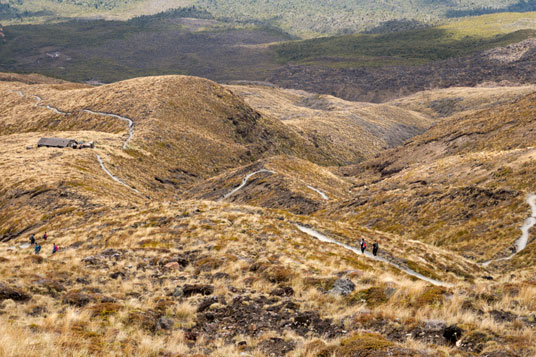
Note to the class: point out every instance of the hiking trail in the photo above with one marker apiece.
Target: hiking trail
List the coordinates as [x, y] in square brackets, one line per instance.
[245, 181]
[111, 115]
[112, 176]
[521, 242]
[322, 194]
[130, 123]
[321, 237]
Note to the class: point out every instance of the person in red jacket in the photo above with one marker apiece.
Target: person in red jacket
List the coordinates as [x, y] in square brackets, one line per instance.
[363, 245]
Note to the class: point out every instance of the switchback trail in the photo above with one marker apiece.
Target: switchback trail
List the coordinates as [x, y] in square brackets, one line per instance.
[130, 123]
[321, 237]
[38, 101]
[521, 242]
[245, 181]
[128, 120]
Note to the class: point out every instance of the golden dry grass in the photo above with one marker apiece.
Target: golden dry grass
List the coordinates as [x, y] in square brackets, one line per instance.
[350, 131]
[90, 300]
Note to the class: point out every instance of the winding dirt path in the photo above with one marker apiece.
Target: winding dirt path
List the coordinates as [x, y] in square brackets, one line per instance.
[521, 242]
[112, 176]
[322, 194]
[245, 181]
[111, 115]
[321, 237]
[129, 121]
[38, 101]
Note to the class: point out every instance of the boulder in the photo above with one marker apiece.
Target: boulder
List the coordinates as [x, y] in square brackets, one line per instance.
[15, 294]
[172, 266]
[452, 334]
[342, 287]
[163, 323]
[189, 290]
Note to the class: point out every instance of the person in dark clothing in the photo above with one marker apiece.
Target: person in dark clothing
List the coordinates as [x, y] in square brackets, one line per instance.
[375, 247]
[363, 245]
[32, 239]
[54, 248]
[37, 248]
[45, 236]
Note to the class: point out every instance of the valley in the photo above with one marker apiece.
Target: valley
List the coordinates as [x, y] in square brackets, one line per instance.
[237, 178]
[220, 220]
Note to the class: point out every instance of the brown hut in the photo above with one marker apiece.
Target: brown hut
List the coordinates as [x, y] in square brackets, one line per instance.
[56, 143]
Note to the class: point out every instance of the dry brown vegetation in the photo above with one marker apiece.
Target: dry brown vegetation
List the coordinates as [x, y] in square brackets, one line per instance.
[174, 270]
[349, 131]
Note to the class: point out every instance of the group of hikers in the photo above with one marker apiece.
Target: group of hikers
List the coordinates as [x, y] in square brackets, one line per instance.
[37, 246]
[375, 247]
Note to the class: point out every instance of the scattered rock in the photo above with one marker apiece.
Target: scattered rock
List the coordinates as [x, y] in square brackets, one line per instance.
[111, 253]
[163, 323]
[503, 316]
[206, 303]
[172, 266]
[38, 310]
[178, 292]
[82, 281]
[282, 291]
[276, 346]
[474, 341]
[221, 276]
[452, 334]
[253, 316]
[189, 290]
[118, 274]
[91, 260]
[342, 287]
[190, 336]
[15, 294]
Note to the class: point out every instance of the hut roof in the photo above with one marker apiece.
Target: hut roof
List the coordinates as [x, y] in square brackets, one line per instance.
[56, 142]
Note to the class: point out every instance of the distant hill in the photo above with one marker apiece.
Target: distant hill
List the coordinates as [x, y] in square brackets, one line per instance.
[305, 18]
[373, 67]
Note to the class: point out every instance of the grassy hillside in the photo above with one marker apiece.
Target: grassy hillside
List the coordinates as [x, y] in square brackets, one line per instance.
[461, 185]
[162, 44]
[351, 131]
[164, 265]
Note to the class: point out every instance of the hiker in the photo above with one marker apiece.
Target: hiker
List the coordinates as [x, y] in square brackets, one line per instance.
[54, 248]
[37, 248]
[375, 247]
[363, 245]
[32, 239]
[45, 236]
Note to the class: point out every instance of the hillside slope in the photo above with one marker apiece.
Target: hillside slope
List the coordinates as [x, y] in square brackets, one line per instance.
[184, 129]
[173, 242]
[352, 131]
[461, 185]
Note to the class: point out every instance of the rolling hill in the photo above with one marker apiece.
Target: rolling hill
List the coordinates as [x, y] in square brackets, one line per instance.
[202, 224]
